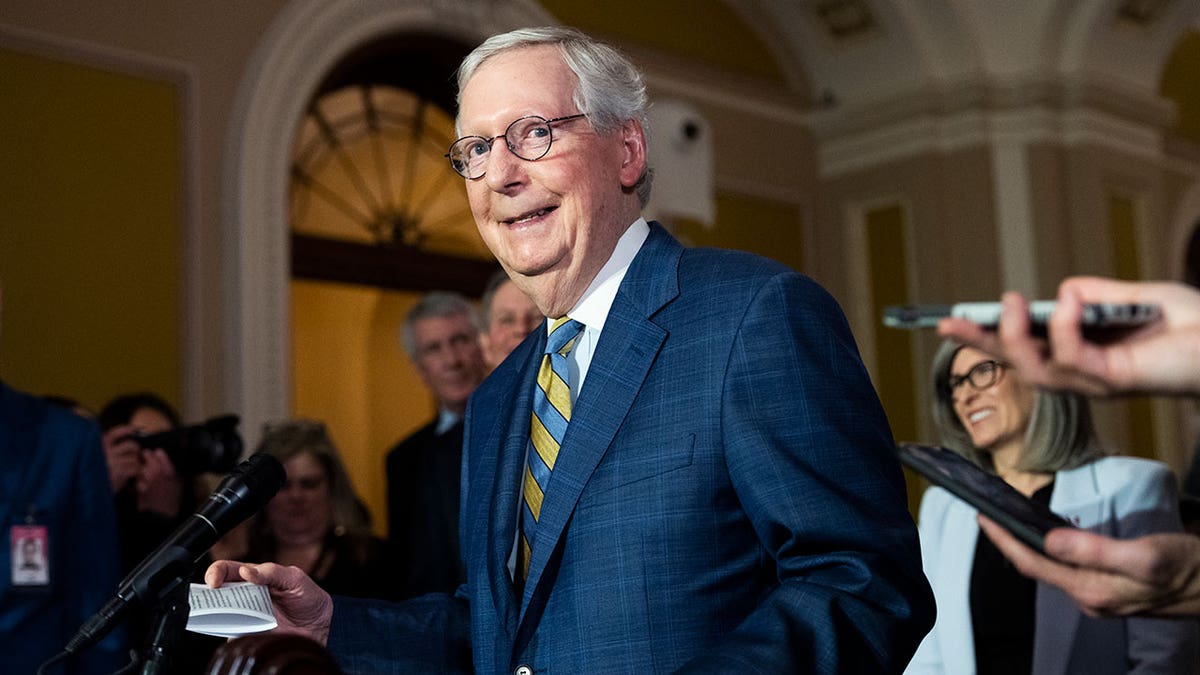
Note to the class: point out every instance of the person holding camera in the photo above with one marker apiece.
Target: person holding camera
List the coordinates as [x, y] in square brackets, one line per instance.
[150, 494]
[157, 470]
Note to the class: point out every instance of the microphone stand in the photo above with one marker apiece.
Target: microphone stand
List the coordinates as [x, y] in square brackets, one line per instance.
[243, 492]
[170, 619]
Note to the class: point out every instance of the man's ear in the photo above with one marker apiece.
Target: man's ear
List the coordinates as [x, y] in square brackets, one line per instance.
[633, 138]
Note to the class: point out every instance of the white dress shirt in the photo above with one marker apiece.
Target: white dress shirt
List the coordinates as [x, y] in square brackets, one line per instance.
[591, 311]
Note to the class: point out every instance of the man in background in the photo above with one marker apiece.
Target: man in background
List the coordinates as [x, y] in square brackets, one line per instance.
[55, 500]
[508, 317]
[441, 337]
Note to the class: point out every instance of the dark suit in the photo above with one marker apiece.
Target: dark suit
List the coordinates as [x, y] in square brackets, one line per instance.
[423, 475]
[726, 498]
[53, 475]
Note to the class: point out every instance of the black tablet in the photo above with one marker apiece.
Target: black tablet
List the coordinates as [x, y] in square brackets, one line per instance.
[988, 493]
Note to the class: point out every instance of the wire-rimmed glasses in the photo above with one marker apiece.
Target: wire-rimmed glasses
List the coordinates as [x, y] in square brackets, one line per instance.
[528, 138]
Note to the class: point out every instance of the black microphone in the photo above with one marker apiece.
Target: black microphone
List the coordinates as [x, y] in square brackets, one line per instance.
[241, 494]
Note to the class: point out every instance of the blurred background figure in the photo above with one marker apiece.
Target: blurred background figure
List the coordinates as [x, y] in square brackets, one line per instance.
[59, 557]
[441, 337]
[508, 317]
[70, 404]
[151, 497]
[316, 522]
[990, 618]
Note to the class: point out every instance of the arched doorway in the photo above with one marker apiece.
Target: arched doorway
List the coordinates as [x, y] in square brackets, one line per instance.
[377, 218]
[300, 53]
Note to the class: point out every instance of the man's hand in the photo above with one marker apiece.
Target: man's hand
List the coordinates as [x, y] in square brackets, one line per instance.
[1161, 357]
[1154, 575]
[301, 606]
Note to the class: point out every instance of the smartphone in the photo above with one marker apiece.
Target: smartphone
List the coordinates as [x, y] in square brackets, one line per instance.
[1095, 315]
[1026, 519]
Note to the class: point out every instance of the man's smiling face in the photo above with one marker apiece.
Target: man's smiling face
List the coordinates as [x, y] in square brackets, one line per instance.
[558, 218]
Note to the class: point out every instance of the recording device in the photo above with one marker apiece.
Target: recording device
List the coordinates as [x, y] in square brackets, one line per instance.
[214, 445]
[1096, 316]
[241, 494]
[1026, 519]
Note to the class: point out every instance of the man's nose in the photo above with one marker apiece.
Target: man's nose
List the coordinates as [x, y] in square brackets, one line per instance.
[504, 168]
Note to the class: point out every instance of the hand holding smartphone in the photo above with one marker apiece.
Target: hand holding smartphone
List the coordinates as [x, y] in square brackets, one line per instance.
[1026, 519]
[1096, 316]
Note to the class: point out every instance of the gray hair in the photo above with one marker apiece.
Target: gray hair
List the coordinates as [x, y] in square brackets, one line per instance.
[1060, 433]
[489, 294]
[435, 304]
[610, 91]
[289, 438]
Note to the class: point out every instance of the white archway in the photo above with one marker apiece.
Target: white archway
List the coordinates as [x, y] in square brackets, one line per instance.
[303, 43]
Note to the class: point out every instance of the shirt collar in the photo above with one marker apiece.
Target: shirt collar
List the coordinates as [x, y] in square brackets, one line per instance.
[592, 308]
[445, 421]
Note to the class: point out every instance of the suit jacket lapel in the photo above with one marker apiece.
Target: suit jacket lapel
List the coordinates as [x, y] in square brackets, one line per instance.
[511, 433]
[623, 358]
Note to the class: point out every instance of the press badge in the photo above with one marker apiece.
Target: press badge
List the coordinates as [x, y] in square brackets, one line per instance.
[30, 549]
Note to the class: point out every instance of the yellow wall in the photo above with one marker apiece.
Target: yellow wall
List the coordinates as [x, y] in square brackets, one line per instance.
[349, 371]
[89, 230]
[1178, 83]
[1123, 226]
[767, 228]
[739, 48]
[895, 372]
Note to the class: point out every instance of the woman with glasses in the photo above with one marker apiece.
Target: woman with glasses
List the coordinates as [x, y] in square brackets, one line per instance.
[316, 522]
[990, 619]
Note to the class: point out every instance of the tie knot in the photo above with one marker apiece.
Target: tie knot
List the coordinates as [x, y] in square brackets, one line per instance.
[563, 332]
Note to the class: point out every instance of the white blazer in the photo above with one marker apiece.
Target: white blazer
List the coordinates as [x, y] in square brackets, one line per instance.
[1117, 496]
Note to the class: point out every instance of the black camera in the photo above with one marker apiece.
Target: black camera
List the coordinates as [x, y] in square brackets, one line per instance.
[214, 445]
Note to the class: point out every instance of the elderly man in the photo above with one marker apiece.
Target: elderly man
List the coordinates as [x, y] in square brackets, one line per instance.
[509, 316]
[441, 337]
[687, 469]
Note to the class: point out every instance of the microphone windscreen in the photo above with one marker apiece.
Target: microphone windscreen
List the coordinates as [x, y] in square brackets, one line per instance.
[244, 491]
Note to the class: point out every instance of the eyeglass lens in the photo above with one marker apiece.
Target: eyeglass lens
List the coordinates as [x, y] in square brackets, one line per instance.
[981, 376]
[528, 138]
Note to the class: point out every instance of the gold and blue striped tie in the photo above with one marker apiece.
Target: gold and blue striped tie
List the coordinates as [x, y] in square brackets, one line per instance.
[548, 425]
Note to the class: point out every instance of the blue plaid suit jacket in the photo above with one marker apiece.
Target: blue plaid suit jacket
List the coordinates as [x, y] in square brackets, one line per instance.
[726, 498]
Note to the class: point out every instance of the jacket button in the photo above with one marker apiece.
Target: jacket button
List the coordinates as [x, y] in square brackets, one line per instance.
[523, 670]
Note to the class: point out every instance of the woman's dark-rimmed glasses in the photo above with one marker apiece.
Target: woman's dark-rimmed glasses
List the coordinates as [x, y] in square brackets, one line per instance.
[528, 138]
[981, 376]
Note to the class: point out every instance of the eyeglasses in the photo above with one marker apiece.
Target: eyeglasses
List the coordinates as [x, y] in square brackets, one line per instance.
[528, 138]
[981, 376]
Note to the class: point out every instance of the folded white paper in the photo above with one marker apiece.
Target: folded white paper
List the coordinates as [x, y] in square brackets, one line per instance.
[234, 609]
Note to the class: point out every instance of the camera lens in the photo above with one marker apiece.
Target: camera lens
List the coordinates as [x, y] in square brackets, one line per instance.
[214, 445]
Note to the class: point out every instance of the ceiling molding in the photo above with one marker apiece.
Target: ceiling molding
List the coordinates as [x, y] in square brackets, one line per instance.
[684, 78]
[938, 134]
[933, 45]
[1135, 106]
